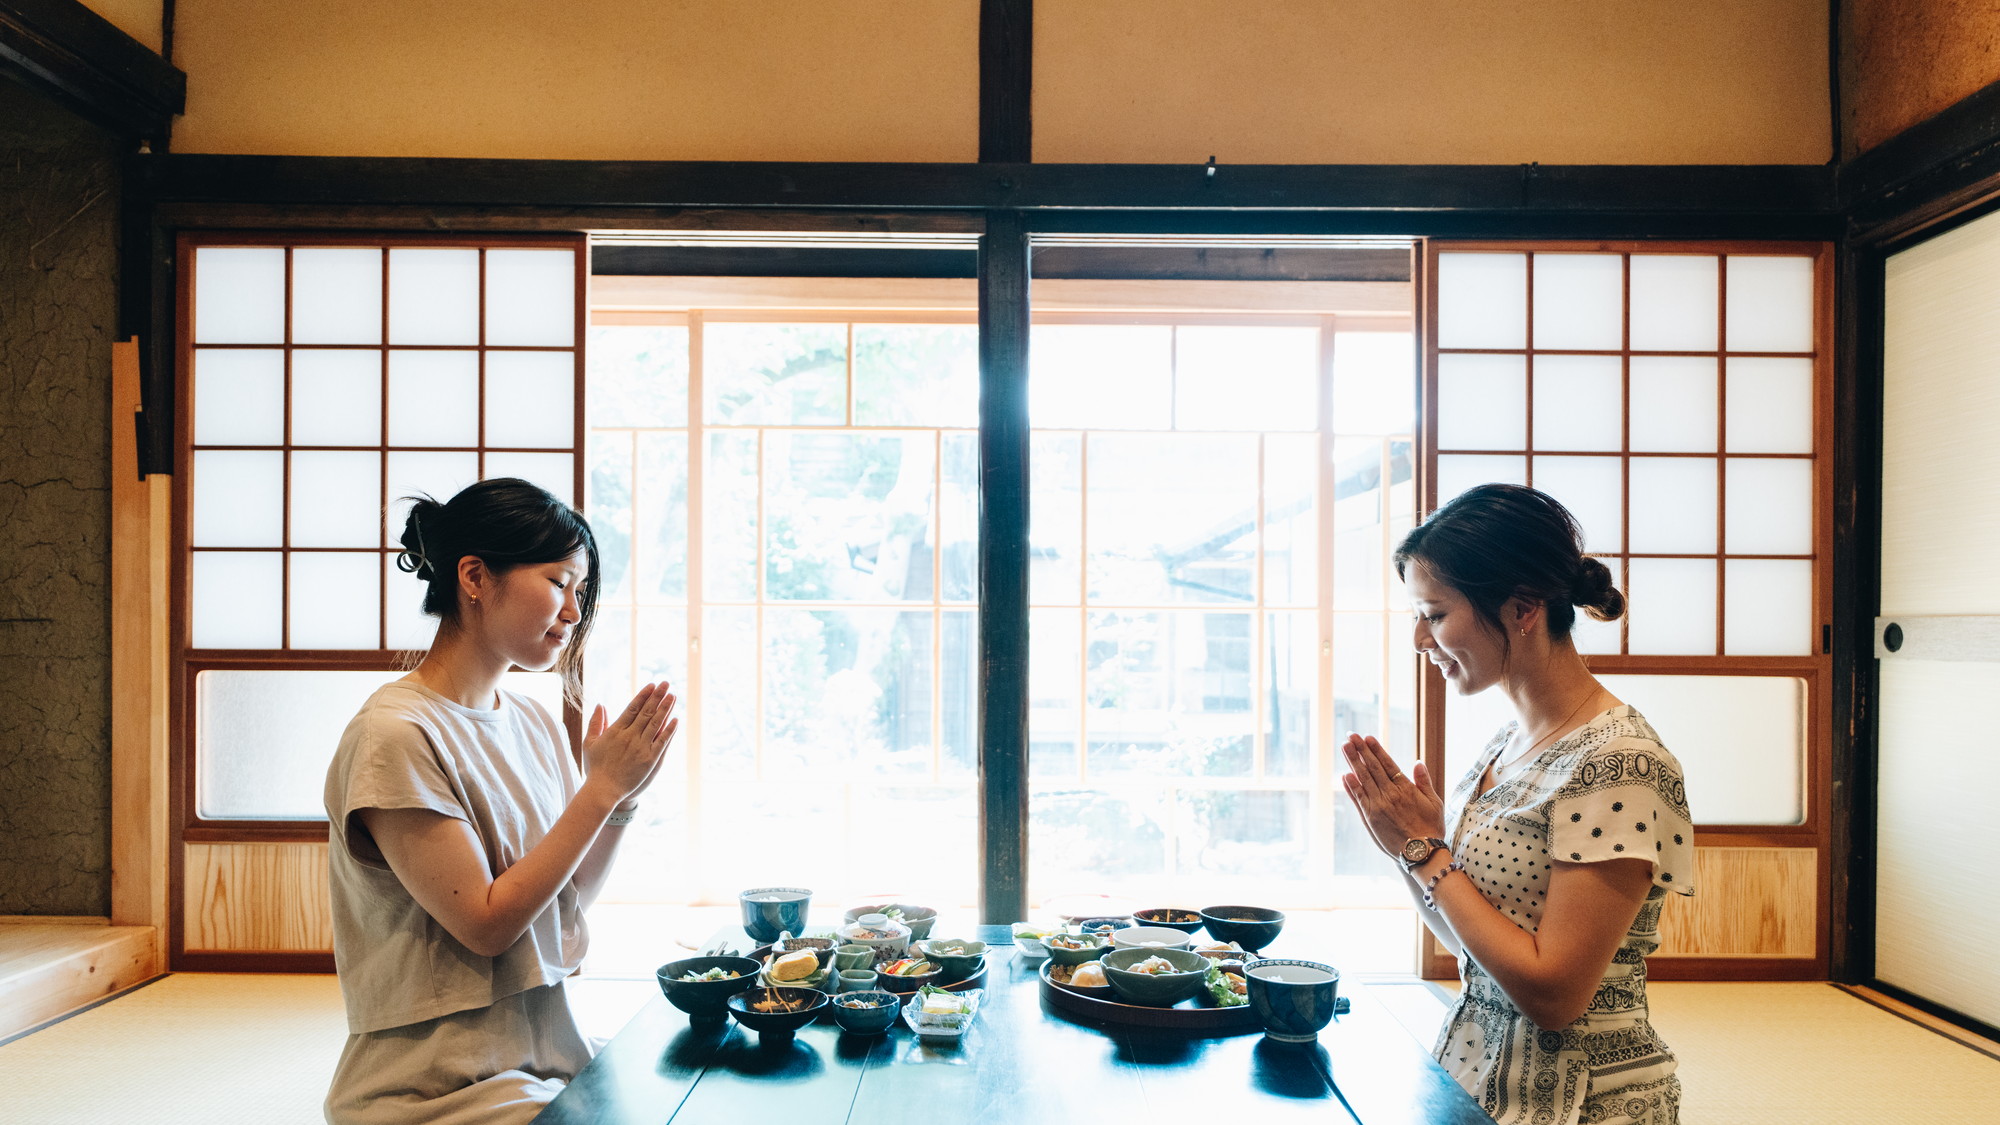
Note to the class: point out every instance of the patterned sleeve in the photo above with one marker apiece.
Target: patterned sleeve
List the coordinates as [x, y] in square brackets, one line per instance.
[1627, 799]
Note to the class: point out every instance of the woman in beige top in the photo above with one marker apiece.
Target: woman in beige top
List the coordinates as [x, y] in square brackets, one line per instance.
[465, 840]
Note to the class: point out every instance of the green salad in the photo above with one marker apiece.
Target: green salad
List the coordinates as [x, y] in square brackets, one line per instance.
[1227, 989]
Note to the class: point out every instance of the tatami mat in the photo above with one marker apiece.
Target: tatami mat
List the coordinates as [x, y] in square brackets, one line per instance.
[220, 1048]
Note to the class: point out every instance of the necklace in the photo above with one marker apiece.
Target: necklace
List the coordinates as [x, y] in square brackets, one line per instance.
[1561, 724]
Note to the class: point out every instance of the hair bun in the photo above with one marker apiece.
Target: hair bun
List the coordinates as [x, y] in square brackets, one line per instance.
[1593, 589]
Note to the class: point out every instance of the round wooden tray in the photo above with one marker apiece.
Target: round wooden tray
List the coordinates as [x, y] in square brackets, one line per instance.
[1196, 1016]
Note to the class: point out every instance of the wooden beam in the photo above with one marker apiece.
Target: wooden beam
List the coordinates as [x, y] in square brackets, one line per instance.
[80, 59]
[1927, 174]
[1006, 81]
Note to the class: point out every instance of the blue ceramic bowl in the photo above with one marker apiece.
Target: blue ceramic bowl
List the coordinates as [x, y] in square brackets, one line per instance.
[876, 1018]
[1252, 927]
[777, 1011]
[1186, 921]
[705, 999]
[1293, 999]
[770, 911]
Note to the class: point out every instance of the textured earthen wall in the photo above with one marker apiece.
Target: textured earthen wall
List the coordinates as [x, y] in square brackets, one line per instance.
[58, 226]
[1902, 61]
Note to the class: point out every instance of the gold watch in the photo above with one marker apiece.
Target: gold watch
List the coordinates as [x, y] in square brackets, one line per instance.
[1416, 850]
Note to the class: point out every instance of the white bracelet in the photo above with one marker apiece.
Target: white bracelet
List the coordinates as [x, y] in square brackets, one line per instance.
[622, 818]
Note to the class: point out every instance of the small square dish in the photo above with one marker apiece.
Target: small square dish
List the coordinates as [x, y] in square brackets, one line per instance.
[934, 1013]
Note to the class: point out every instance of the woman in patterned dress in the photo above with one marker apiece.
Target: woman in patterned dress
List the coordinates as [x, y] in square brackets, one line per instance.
[1546, 867]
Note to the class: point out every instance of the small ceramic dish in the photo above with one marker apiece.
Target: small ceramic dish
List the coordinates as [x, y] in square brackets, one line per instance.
[1160, 990]
[904, 984]
[1061, 975]
[1103, 925]
[1254, 926]
[777, 1011]
[868, 1012]
[1028, 938]
[1150, 937]
[879, 932]
[821, 947]
[943, 1025]
[705, 999]
[954, 958]
[1186, 921]
[1075, 949]
[919, 919]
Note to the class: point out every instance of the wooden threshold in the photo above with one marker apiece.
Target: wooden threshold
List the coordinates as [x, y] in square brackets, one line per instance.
[1985, 1046]
[49, 968]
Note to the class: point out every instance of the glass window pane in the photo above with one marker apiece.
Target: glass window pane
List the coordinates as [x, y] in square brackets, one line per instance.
[1674, 303]
[1770, 303]
[336, 397]
[662, 547]
[1291, 519]
[1579, 402]
[958, 517]
[433, 398]
[337, 295]
[1593, 636]
[531, 298]
[264, 739]
[729, 693]
[1740, 739]
[1768, 607]
[660, 648]
[555, 472]
[730, 559]
[433, 296]
[1055, 519]
[775, 374]
[1359, 546]
[608, 490]
[1768, 506]
[1374, 383]
[1086, 839]
[847, 691]
[1246, 378]
[1673, 404]
[916, 375]
[638, 375]
[1579, 301]
[1242, 833]
[1593, 489]
[1169, 693]
[409, 629]
[1673, 505]
[1482, 402]
[1172, 518]
[1100, 376]
[235, 599]
[607, 669]
[336, 600]
[1358, 675]
[239, 295]
[1055, 679]
[958, 694]
[239, 396]
[239, 498]
[1291, 659]
[1672, 604]
[1770, 405]
[848, 517]
[1458, 472]
[1482, 300]
[531, 399]
[336, 498]
[437, 475]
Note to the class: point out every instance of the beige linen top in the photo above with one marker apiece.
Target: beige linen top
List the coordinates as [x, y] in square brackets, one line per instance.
[507, 773]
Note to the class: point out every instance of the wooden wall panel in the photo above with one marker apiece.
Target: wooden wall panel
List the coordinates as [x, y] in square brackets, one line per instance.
[1748, 902]
[257, 897]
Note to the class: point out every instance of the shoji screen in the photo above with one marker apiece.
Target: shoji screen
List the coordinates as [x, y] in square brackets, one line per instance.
[1938, 769]
[1672, 397]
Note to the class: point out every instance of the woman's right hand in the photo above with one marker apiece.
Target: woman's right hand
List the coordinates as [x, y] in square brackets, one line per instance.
[625, 754]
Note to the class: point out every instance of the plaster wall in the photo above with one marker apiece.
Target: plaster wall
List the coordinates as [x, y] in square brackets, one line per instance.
[1902, 62]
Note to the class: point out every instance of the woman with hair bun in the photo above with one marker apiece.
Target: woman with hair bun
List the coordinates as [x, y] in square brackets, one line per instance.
[465, 842]
[1545, 868]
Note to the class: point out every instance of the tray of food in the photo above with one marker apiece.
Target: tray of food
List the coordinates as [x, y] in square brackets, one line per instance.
[960, 971]
[1152, 988]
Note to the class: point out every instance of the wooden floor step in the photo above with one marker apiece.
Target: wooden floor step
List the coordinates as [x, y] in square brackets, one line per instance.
[50, 967]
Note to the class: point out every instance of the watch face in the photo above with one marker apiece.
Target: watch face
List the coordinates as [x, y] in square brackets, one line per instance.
[1416, 851]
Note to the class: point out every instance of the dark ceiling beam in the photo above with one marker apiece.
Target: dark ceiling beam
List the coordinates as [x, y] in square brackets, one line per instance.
[80, 59]
[1006, 81]
[1926, 173]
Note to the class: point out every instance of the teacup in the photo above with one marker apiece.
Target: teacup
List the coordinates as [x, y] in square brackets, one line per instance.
[1293, 999]
[858, 980]
[854, 957]
[770, 911]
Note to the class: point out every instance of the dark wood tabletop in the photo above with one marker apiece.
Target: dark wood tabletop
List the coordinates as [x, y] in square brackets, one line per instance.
[1020, 1062]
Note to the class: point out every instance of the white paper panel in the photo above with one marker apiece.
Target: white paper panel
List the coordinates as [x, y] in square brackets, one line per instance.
[239, 498]
[1767, 506]
[236, 599]
[1482, 402]
[1674, 303]
[1770, 304]
[553, 471]
[1579, 402]
[1579, 301]
[239, 396]
[1672, 606]
[264, 739]
[1741, 741]
[1767, 608]
[337, 296]
[1673, 505]
[336, 397]
[531, 298]
[239, 295]
[1374, 382]
[1593, 489]
[1456, 473]
[433, 398]
[437, 475]
[1593, 636]
[409, 628]
[1768, 405]
[336, 498]
[1100, 376]
[335, 599]
[1482, 300]
[1934, 797]
[1239, 377]
[531, 399]
[1673, 404]
[433, 296]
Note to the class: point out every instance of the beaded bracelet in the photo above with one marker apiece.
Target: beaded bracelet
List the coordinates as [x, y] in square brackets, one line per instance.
[1454, 865]
[622, 818]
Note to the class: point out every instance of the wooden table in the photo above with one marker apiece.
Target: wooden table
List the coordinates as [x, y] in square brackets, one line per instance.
[1020, 1062]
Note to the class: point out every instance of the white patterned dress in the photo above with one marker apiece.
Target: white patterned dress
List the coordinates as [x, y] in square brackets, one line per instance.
[1607, 791]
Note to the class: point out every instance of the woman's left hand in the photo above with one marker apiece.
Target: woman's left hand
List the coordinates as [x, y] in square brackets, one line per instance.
[1396, 808]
